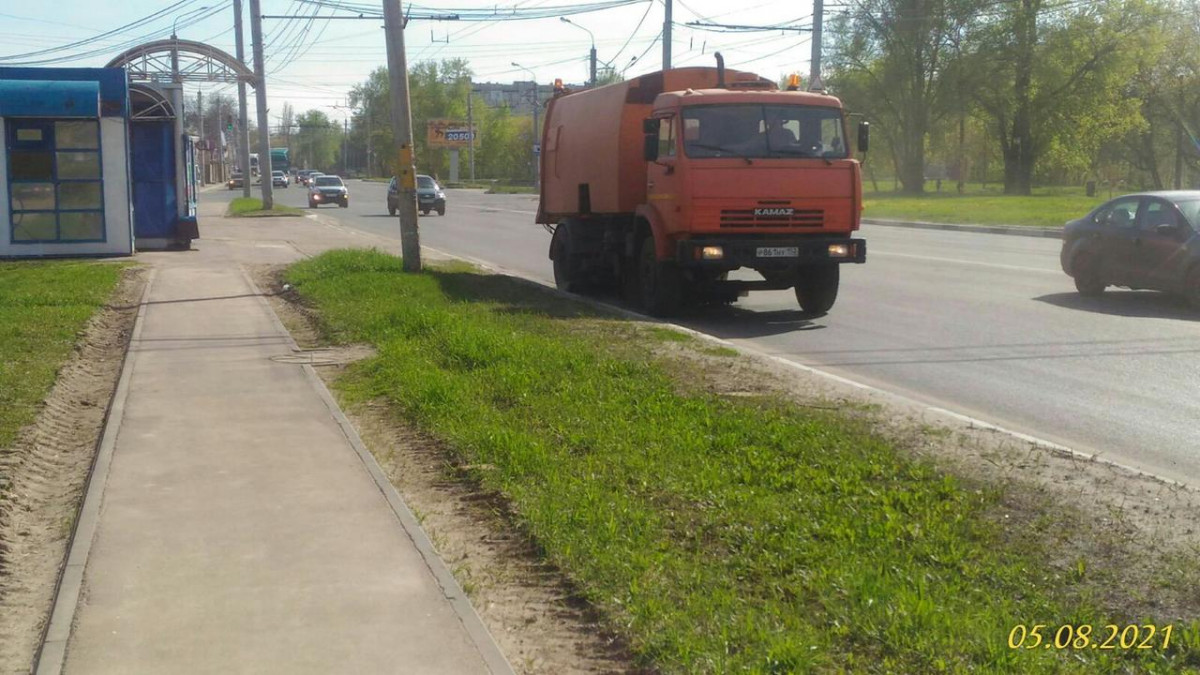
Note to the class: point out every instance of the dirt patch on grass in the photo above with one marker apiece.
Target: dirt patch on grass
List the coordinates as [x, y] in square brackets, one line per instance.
[1132, 539]
[48, 466]
[536, 617]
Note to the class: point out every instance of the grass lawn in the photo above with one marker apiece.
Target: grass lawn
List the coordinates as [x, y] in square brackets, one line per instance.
[1047, 207]
[43, 308]
[719, 534]
[251, 207]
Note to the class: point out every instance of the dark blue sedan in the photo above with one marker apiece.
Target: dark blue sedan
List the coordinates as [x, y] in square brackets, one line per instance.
[1145, 240]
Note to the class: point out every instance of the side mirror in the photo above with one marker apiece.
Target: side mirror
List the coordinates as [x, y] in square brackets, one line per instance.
[864, 136]
[650, 147]
[650, 125]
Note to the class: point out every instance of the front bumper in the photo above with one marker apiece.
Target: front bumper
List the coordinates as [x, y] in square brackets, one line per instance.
[744, 252]
[340, 197]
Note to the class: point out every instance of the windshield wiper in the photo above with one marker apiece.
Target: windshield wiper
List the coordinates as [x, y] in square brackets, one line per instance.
[799, 152]
[720, 148]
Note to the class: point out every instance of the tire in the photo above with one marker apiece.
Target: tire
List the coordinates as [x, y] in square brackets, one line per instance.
[1191, 287]
[1087, 278]
[391, 211]
[344, 205]
[659, 282]
[424, 212]
[817, 288]
[312, 204]
[442, 211]
[566, 270]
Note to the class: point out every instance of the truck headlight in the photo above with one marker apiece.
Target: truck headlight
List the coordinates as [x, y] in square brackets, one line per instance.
[839, 250]
[712, 253]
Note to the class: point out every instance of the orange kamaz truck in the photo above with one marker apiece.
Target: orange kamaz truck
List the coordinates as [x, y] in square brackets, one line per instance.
[663, 185]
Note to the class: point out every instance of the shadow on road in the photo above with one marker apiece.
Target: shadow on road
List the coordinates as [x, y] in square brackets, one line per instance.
[737, 323]
[513, 296]
[1139, 304]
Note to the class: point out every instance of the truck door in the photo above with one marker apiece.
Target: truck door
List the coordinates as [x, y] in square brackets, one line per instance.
[662, 179]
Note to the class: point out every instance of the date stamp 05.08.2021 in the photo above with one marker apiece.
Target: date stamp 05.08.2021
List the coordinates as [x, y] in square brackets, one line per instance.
[1085, 636]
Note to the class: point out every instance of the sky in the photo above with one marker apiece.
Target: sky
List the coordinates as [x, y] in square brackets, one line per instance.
[312, 64]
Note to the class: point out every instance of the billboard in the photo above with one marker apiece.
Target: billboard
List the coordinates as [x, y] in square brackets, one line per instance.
[448, 134]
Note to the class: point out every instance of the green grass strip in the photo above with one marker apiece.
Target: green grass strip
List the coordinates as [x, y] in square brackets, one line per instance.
[43, 308]
[1045, 208]
[252, 207]
[720, 536]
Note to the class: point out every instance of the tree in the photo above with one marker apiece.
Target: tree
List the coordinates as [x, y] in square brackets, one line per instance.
[317, 141]
[887, 59]
[1057, 78]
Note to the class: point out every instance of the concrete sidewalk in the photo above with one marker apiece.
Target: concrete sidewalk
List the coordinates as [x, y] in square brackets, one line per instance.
[240, 529]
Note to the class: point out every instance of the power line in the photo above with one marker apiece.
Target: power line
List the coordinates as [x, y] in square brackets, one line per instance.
[96, 38]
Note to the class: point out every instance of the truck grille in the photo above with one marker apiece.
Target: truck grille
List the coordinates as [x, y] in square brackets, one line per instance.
[734, 218]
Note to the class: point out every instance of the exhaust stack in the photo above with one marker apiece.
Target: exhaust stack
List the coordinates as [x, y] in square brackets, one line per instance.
[720, 70]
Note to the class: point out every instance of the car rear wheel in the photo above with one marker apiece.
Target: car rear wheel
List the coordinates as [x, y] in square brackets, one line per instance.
[1087, 276]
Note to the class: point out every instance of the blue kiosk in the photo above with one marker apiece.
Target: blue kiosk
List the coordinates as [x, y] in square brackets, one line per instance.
[92, 166]
[65, 169]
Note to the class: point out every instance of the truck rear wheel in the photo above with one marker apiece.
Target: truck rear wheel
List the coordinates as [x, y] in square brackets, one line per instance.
[658, 281]
[817, 288]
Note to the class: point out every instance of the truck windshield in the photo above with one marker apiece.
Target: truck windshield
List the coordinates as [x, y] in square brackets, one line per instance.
[763, 131]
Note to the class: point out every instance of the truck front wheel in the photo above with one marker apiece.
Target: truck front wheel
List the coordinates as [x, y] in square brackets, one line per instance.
[658, 281]
[817, 288]
[566, 267]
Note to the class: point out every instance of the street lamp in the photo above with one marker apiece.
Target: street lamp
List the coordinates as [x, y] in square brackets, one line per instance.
[592, 55]
[175, 23]
[537, 169]
[174, 39]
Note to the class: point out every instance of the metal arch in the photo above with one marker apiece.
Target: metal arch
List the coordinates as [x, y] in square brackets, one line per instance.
[197, 61]
[148, 103]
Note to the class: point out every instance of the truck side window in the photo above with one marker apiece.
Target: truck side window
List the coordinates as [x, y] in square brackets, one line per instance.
[666, 137]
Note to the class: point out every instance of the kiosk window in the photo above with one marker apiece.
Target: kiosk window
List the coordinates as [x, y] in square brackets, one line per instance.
[55, 189]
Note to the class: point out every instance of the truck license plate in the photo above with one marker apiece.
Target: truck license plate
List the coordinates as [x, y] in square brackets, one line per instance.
[779, 252]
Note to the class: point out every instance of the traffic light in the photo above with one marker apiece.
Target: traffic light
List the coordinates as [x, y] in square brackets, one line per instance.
[229, 123]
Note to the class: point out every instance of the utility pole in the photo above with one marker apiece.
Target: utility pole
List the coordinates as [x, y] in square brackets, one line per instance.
[203, 149]
[666, 38]
[370, 144]
[260, 96]
[243, 130]
[593, 82]
[471, 127]
[406, 180]
[814, 77]
[345, 151]
[537, 136]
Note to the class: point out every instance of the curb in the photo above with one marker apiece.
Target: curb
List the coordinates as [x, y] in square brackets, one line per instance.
[1013, 230]
[52, 653]
[476, 631]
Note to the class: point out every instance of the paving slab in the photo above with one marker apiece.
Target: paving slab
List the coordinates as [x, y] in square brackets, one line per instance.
[239, 529]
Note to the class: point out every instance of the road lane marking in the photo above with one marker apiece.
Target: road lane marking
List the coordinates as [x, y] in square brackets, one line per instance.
[490, 208]
[1017, 268]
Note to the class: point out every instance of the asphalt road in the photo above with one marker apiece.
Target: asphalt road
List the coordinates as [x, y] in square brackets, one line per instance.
[982, 324]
